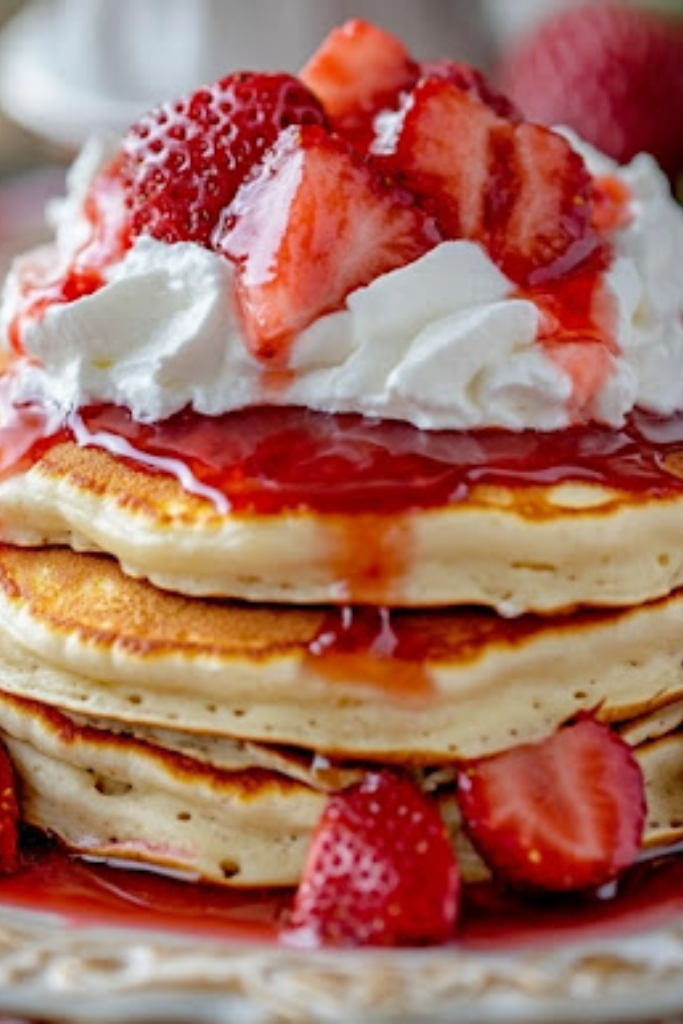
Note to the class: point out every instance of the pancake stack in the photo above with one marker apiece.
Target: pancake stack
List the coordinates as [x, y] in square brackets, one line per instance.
[198, 722]
[217, 609]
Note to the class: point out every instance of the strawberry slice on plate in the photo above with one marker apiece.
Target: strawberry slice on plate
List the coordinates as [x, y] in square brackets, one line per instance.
[359, 70]
[564, 814]
[315, 223]
[380, 871]
[184, 160]
[518, 189]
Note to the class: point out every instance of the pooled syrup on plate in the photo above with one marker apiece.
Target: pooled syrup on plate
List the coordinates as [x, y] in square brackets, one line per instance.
[87, 895]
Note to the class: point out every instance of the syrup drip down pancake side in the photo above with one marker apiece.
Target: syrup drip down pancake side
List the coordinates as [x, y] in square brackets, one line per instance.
[365, 513]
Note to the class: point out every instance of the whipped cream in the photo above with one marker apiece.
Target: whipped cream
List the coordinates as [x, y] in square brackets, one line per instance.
[444, 343]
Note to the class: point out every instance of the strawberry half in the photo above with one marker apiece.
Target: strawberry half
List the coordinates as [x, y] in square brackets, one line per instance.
[380, 871]
[317, 222]
[519, 189]
[185, 160]
[9, 815]
[359, 70]
[564, 814]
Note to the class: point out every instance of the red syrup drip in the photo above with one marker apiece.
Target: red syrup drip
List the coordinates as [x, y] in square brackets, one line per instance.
[377, 648]
[578, 319]
[50, 881]
[570, 304]
[26, 432]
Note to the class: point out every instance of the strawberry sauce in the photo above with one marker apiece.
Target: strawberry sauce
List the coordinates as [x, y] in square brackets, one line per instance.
[578, 316]
[268, 460]
[87, 895]
[379, 648]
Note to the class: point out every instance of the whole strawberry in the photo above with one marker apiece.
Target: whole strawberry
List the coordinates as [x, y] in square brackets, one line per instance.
[380, 872]
[184, 160]
[610, 71]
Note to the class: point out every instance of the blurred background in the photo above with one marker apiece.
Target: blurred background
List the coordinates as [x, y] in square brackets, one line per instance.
[71, 67]
[68, 67]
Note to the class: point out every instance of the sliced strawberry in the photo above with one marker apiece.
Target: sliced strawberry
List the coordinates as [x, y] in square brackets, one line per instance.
[314, 224]
[519, 189]
[359, 70]
[443, 152]
[472, 81]
[541, 215]
[185, 160]
[9, 815]
[380, 871]
[563, 814]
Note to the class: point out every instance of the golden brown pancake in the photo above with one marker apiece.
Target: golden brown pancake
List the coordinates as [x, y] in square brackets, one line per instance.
[541, 548]
[114, 796]
[415, 687]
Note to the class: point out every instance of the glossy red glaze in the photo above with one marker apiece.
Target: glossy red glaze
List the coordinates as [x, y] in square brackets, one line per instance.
[647, 896]
[50, 881]
[84, 894]
[578, 315]
[268, 460]
[376, 648]
[571, 305]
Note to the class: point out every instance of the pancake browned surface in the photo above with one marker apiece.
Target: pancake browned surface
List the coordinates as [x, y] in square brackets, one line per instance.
[75, 632]
[537, 548]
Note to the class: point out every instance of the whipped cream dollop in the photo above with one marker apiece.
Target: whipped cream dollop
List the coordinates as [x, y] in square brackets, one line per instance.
[445, 342]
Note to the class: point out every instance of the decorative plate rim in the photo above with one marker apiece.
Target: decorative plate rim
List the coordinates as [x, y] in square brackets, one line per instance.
[118, 974]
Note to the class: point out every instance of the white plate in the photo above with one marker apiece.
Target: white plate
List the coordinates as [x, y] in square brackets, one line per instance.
[116, 974]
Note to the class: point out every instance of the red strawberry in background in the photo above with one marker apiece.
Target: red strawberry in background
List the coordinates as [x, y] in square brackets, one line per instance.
[610, 71]
[315, 222]
[561, 815]
[380, 871]
[184, 160]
